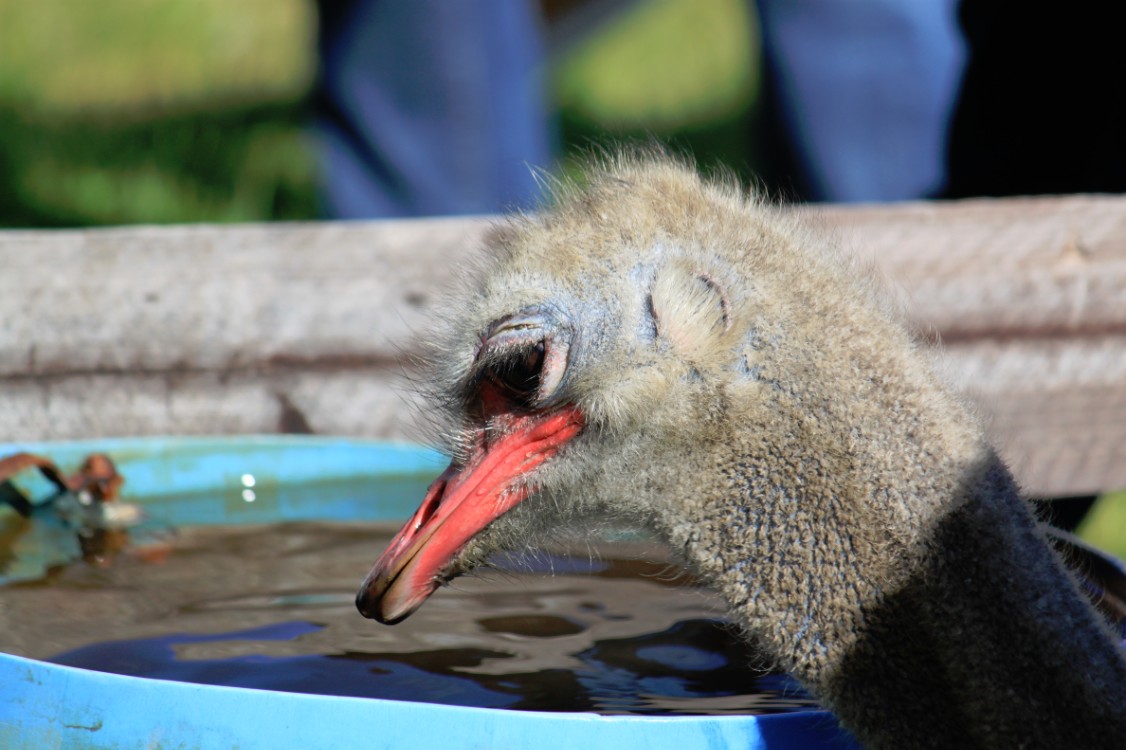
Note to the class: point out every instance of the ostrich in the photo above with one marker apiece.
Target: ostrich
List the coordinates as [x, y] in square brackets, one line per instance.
[681, 355]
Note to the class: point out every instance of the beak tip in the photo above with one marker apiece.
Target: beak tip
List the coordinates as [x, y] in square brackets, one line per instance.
[384, 607]
[368, 606]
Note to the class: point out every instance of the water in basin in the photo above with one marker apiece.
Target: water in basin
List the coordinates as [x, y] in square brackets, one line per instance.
[271, 606]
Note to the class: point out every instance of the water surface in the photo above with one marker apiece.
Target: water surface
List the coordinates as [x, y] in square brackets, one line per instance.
[271, 606]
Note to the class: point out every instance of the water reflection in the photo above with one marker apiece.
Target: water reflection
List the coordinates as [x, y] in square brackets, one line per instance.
[271, 607]
[650, 674]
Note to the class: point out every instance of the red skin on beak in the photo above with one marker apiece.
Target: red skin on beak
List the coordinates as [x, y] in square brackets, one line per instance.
[459, 503]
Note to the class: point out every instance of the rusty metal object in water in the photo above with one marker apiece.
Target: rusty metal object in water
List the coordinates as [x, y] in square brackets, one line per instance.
[97, 480]
[60, 509]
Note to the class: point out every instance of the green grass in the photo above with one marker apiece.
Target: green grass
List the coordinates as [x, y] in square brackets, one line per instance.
[666, 66]
[154, 111]
[681, 72]
[1105, 524]
[122, 56]
[247, 163]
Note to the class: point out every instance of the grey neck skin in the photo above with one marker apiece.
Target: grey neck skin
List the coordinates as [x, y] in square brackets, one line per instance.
[964, 631]
[988, 643]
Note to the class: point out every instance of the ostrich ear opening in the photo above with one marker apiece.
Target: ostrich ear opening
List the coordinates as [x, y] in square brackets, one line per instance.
[690, 308]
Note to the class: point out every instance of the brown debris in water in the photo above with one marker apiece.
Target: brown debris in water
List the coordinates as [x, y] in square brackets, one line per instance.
[79, 500]
[97, 478]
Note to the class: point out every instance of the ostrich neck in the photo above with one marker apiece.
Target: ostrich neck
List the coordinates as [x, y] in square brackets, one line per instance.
[924, 612]
[986, 642]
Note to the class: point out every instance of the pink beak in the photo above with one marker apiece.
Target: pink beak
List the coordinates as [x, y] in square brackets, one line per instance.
[459, 503]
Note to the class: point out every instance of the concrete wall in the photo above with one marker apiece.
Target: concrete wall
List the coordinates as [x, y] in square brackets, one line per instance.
[308, 327]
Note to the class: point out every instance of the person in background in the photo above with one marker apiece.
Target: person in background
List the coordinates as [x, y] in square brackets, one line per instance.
[858, 96]
[895, 99]
[429, 107]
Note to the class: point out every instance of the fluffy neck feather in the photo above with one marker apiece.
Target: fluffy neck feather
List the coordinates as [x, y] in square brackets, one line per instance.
[904, 581]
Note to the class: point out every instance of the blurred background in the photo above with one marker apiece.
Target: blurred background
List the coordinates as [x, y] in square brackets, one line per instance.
[160, 111]
[137, 111]
[155, 111]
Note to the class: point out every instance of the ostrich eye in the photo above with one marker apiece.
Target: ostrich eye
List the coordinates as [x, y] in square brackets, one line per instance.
[521, 362]
[518, 375]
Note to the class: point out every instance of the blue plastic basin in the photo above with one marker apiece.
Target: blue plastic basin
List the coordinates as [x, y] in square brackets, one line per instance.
[49, 706]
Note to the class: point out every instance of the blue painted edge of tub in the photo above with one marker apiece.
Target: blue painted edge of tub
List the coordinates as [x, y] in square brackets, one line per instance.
[159, 465]
[206, 477]
[50, 706]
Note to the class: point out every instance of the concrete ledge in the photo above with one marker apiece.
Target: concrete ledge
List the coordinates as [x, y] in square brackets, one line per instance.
[304, 328]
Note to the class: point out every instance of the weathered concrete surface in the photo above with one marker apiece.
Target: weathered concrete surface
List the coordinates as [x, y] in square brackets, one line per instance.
[305, 327]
